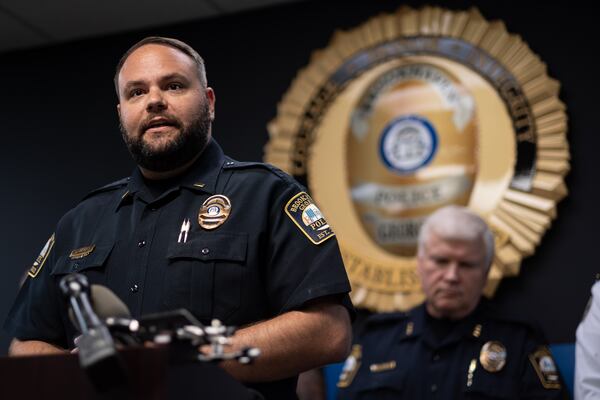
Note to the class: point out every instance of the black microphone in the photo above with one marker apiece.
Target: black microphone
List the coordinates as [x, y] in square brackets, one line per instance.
[97, 353]
[116, 315]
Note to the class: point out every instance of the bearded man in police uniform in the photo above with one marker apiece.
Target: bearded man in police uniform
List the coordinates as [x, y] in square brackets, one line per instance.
[192, 228]
[453, 346]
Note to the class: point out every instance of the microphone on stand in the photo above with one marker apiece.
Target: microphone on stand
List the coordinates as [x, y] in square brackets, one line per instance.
[178, 328]
[97, 353]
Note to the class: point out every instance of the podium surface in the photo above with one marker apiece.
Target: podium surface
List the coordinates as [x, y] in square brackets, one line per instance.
[149, 376]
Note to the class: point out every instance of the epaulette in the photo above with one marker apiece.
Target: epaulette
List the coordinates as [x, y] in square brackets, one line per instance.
[111, 186]
[511, 319]
[234, 164]
[383, 318]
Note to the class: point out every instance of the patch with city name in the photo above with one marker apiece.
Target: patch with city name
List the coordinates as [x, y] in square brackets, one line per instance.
[39, 262]
[308, 218]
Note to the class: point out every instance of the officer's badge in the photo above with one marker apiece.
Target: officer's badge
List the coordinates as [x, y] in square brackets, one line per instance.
[544, 366]
[214, 212]
[82, 252]
[41, 259]
[493, 356]
[351, 367]
[307, 216]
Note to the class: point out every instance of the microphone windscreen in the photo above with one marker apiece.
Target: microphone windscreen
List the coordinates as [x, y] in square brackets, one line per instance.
[107, 304]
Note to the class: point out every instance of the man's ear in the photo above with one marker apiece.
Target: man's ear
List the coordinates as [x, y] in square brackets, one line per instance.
[119, 110]
[210, 96]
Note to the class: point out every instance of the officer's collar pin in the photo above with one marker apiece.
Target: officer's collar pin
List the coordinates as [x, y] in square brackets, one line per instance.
[199, 184]
[410, 328]
[477, 330]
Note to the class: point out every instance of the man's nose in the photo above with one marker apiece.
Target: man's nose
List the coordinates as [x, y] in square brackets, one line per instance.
[156, 101]
[451, 272]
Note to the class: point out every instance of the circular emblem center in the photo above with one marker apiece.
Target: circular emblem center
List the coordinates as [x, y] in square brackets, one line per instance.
[407, 144]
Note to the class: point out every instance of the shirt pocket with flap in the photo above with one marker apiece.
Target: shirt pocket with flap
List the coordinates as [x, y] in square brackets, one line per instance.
[89, 260]
[205, 274]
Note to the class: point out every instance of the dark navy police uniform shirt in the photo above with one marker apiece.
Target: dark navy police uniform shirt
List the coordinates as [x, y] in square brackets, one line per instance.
[412, 356]
[258, 264]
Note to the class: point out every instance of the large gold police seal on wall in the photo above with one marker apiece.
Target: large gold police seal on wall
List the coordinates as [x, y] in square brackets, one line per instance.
[413, 111]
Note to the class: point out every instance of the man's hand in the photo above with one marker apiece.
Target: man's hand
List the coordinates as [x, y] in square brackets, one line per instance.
[33, 348]
[293, 342]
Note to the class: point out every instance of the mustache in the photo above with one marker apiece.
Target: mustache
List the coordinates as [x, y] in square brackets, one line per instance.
[160, 119]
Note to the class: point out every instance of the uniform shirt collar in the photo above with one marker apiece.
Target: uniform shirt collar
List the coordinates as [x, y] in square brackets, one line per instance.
[201, 176]
[417, 326]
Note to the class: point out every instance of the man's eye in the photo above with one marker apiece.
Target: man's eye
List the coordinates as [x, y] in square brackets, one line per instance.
[136, 92]
[175, 86]
[440, 261]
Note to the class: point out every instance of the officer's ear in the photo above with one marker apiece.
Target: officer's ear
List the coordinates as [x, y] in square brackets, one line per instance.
[119, 110]
[212, 99]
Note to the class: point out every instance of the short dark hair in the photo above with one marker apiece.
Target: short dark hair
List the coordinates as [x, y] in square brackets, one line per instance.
[176, 44]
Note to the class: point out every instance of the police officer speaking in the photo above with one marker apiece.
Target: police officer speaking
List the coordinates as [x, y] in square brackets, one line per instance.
[192, 228]
[453, 346]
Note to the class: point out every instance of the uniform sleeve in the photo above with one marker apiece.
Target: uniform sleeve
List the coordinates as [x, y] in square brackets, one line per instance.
[36, 313]
[540, 378]
[587, 351]
[304, 261]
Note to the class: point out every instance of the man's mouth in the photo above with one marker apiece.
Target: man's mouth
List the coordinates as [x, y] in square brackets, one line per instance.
[449, 293]
[158, 123]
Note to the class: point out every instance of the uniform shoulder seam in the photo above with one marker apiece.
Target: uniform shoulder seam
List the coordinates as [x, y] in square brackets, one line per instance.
[386, 317]
[106, 188]
[233, 164]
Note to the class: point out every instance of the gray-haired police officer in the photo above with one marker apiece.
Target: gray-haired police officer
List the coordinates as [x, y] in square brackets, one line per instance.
[453, 346]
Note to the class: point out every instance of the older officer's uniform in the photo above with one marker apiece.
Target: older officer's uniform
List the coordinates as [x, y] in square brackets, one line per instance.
[414, 356]
[240, 242]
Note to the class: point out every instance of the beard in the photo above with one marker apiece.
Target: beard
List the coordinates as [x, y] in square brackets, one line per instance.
[188, 144]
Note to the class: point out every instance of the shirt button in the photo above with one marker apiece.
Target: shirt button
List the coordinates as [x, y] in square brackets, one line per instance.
[205, 251]
[436, 357]
[141, 243]
[134, 288]
[434, 388]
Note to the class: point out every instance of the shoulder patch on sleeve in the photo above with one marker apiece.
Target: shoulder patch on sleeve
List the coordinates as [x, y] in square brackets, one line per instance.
[41, 259]
[308, 218]
[351, 367]
[545, 367]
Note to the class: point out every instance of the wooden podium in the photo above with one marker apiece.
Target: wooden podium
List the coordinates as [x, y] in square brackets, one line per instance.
[149, 376]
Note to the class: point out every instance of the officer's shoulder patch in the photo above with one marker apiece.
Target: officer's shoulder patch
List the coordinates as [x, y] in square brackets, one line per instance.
[308, 218]
[39, 262]
[545, 367]
[111, 186]
[351, 366]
